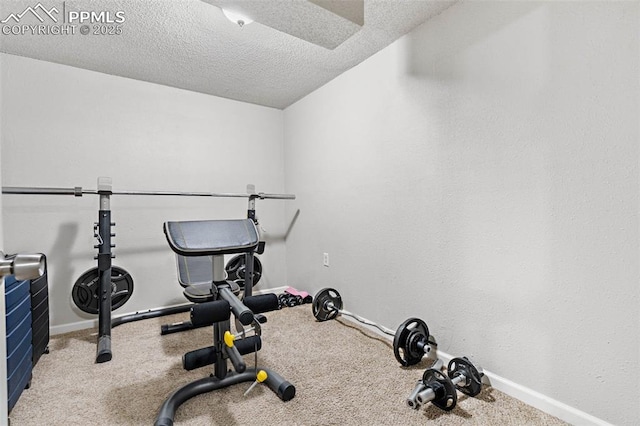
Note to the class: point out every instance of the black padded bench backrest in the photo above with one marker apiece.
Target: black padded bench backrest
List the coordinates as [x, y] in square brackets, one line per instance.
[211, 237]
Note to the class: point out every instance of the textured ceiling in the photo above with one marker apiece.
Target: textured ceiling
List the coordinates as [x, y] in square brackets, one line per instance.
[190, 44]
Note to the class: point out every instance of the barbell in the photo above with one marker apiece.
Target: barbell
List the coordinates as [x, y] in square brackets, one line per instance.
[411, 339]
[79, 191]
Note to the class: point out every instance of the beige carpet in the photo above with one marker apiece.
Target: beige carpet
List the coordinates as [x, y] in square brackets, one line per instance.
[343, 375]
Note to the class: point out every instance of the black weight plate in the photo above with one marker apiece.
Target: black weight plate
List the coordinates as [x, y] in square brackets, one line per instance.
[86, 288]
[447, 398]
[236, 269]
[321, 301]
[473, 385]
[408, 334]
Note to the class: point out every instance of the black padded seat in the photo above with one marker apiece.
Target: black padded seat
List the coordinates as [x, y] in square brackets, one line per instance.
[211, 237]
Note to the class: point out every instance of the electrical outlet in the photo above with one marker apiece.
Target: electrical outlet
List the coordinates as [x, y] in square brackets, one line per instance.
[325, 259]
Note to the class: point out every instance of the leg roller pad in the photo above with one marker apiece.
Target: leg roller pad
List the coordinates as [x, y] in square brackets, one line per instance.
[249, 345]
[209, 313]
[199, 358]
[262, 303]
[207, 356]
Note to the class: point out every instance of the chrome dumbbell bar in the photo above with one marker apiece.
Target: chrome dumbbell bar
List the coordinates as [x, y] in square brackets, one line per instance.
[23, 266]
[440, 389]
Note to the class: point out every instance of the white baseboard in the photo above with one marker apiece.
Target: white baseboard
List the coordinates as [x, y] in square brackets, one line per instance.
[528, 396]
[535, 399]
[74, 326]
[543, 403]
[93, 323]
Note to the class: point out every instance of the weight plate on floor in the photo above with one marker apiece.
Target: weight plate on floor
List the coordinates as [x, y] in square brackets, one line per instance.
[405, 342]
[322, 302]
[236, 269]
[473, 385]
[446, 397]
[86, 288]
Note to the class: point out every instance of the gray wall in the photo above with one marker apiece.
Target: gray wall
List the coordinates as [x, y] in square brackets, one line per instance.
[64, 127]
[482, 173]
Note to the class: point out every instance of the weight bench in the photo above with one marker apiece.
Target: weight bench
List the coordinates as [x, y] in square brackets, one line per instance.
[194, 275]
[216, 238]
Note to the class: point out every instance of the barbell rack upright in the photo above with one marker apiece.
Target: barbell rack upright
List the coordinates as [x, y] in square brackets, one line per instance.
[103, 234]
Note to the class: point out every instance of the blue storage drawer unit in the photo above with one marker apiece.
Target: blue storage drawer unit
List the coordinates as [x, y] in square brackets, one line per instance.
[15, 355]
[15, 292]
[20, 379]
[15, 336]
[19, 337]
[17, 314]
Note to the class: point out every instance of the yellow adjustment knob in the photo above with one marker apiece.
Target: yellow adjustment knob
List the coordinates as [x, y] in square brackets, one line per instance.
[229, 338]
[261, 376]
